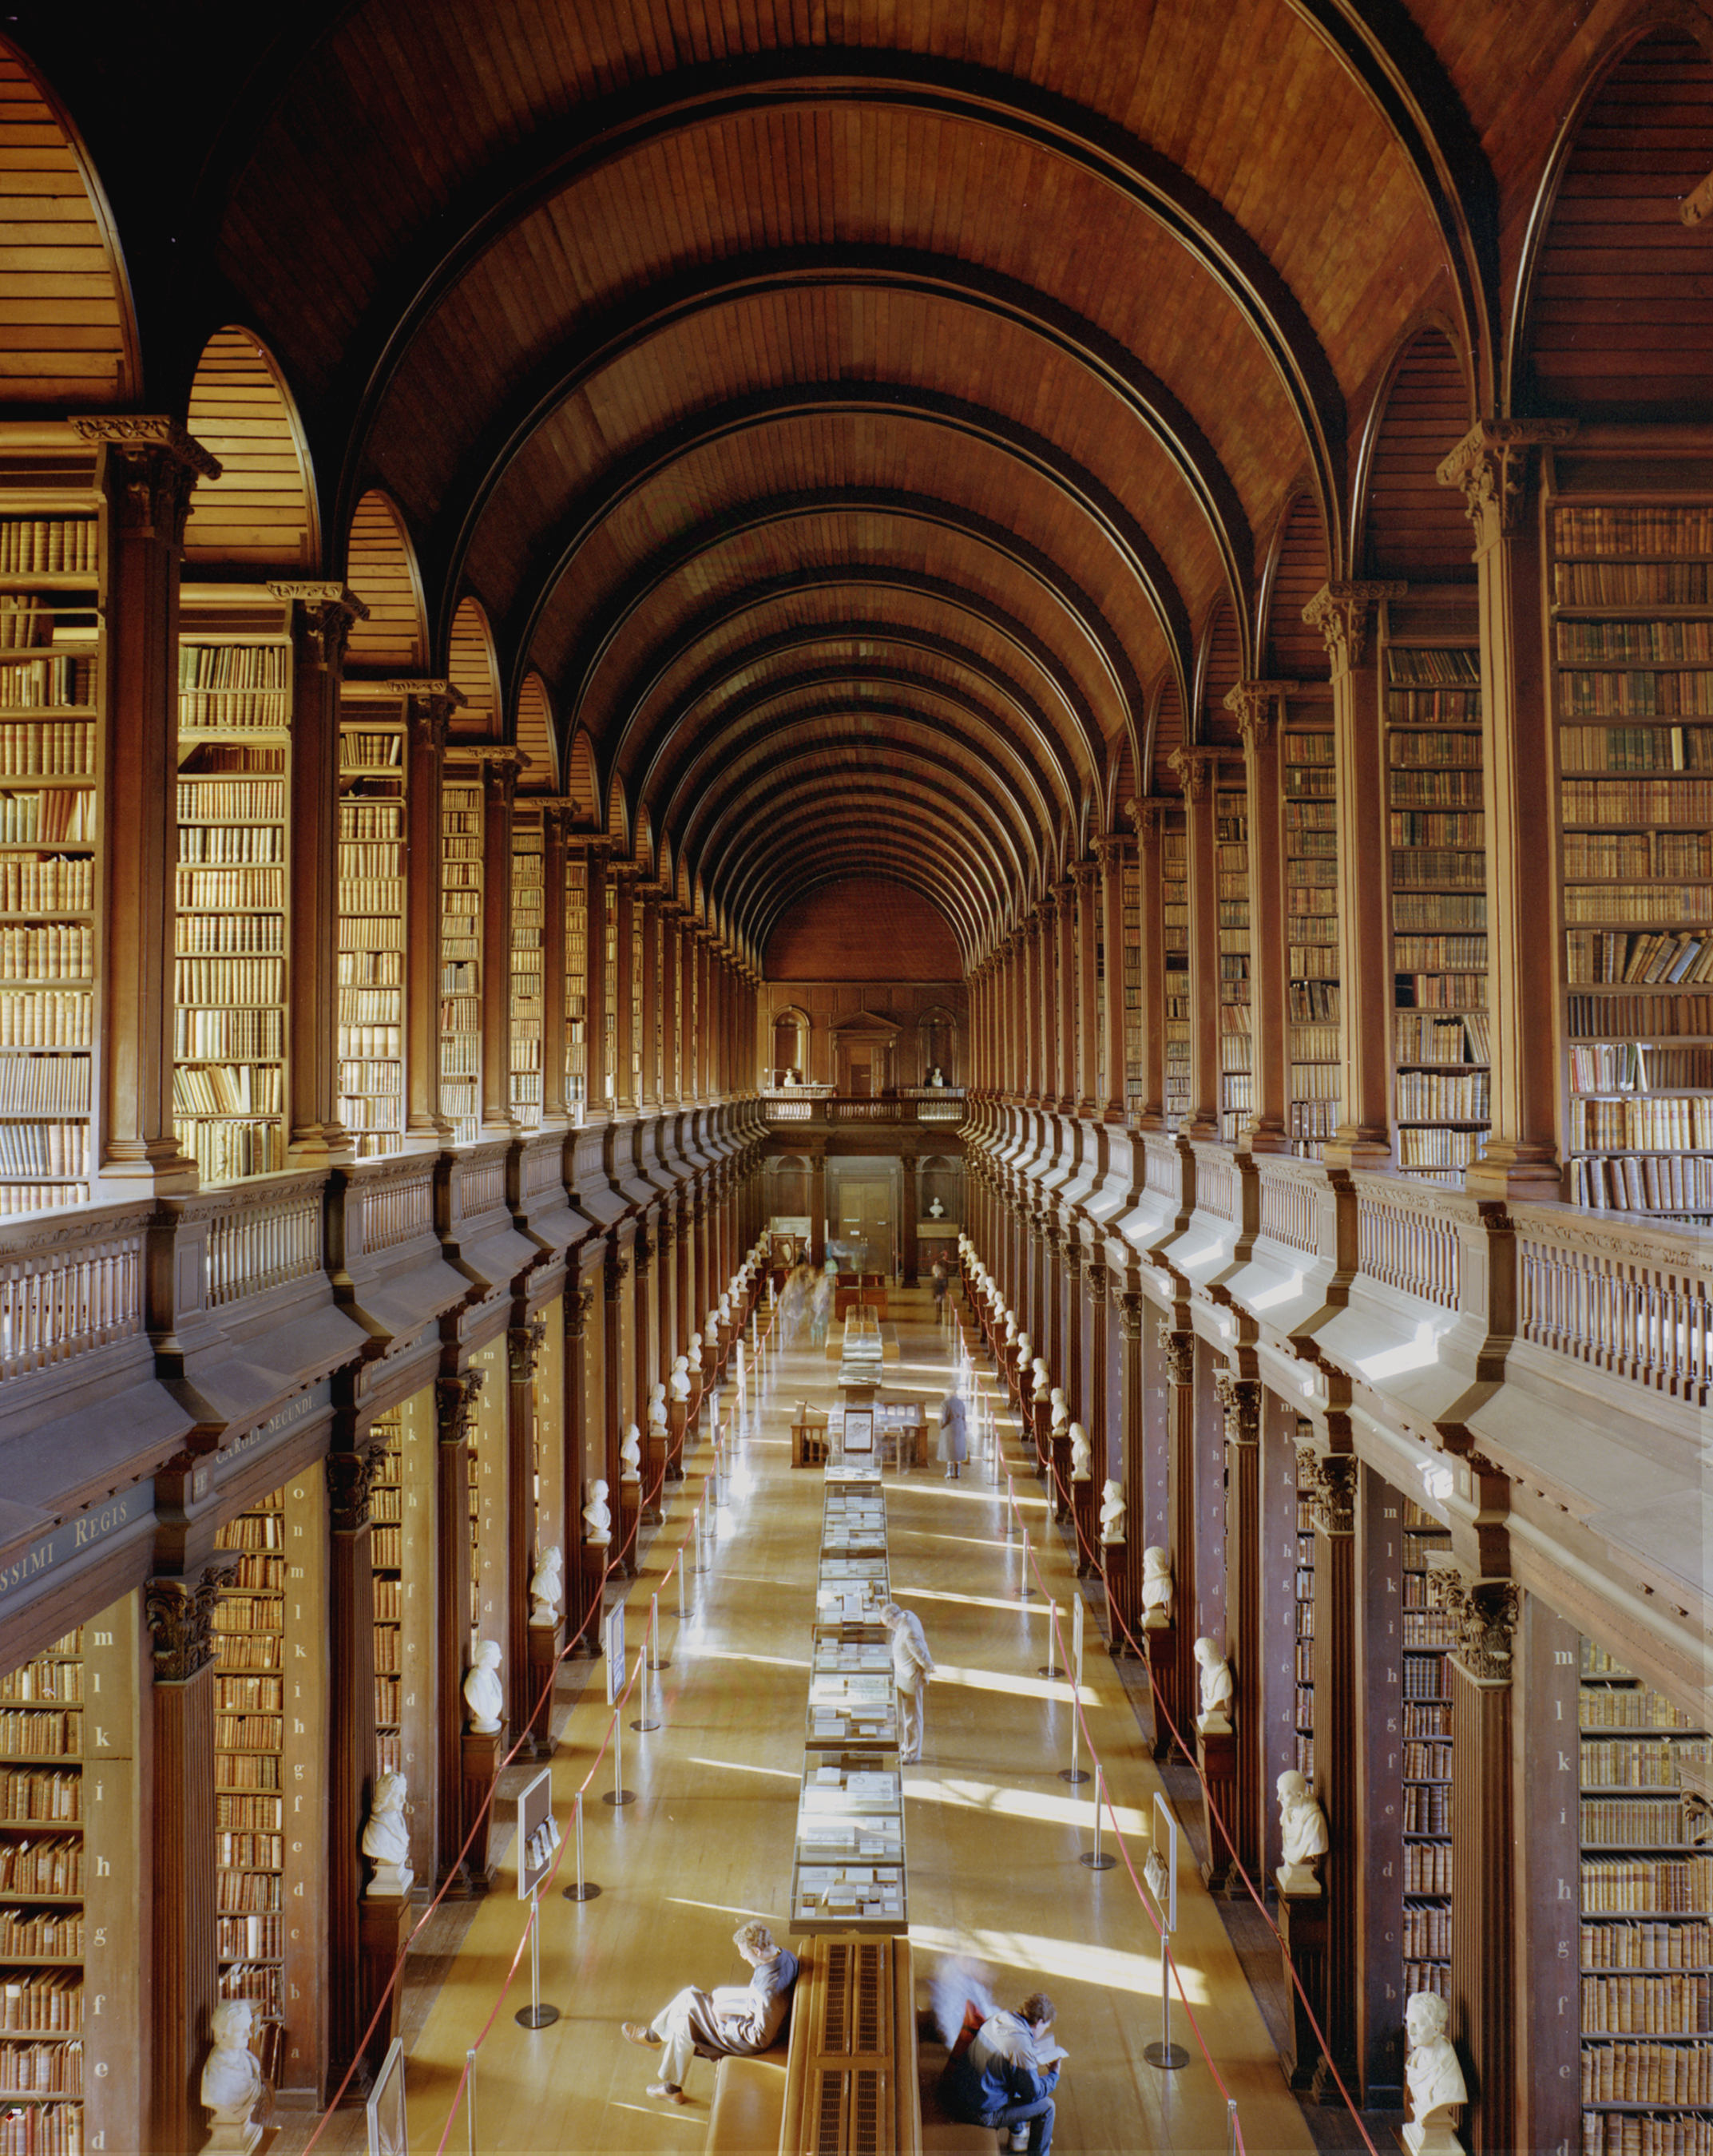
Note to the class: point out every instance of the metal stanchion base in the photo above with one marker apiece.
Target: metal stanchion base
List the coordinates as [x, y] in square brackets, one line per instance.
[537, 2017]
[1074, 1775]
[1051, 1669]
[616, 1797]
[665, 1663]
[586, 1892]
[645, 1726]
[1168, 2057]
[1101, 1863]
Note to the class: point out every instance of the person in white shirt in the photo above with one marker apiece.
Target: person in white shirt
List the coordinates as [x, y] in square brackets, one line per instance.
[735, 2020]
[912, 1666]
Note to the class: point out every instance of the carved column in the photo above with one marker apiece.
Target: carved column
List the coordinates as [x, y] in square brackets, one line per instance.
[1240, 1401]
[1179, 1350]
[1483, 1855]
[912, 1210]
[148, 469]
[1197, 769]
[1125, 1465]
[351, 1767]
[644, 1332]
[649, 1093]
[1497, 464]
[523, 1347]
[431, 704]
[1331, 1482]
[499, 783]
[1344, 613]
[625, 919]
[817, 1203]
[672, 1030]
[1066, 978]
[614, 1271]
[1258, 706]
[183, 1967]
[579, 1300]
[1149, 818]
[1085, 1060]
[554, 1097]
[454, 1401]
[600, 1097]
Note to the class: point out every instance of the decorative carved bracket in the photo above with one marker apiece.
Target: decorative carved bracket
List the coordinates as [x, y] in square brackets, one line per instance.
[1240, 1397]
[455, 1399]
[1485, 1613]
[1179, 1348]
[159, 464]
[327, 612]
[1342, 613]
[523, 1346]
[579, 1302]
[1253, 704]
[1331, 1480]
[1494, 464]
[180, 1615]
[1194, 769]
[351, 1480]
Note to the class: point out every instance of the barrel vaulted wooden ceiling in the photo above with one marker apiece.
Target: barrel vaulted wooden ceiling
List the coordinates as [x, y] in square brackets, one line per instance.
[868, 428]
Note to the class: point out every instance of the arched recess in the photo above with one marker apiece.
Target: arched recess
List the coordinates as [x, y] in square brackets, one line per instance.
[1407, 524]
[793, 1031]
[536, 738]
[64, 289]
[788, 1192]
[1615, 307]
[1219, 668]
[1165, 733]
[642, 842]
[1297, 566]
[939, 1181]
[471, 668]
[940, 1045]
[582, 780]
[380, 566]
[261, 512]
[1120, 784]
[618, 823]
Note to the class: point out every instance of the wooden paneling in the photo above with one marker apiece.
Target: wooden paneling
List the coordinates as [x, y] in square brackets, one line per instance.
[381, 569]
[536, 737]
[261, 510]
[863, 930]
[1222, 669]
[1168, 735]
[1415, 527]
[1294, 651]
[470, 665]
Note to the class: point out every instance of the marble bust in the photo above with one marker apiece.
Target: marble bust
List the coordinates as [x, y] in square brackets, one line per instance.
[232, 2077]
[631, 1455]
[1112, 1512]
[1082, 1458]
[1010, 1320]
[598, 1516]
[681, 1377]
[657, 1404]
[1302, 1826]
[546, 1587]
[1433, 2077]
[386, 1838]
[937, 1076]
[483, 1692]
[1214, 1682]
[1061, 1413]
[936, 1210]
[1043, 1385]
[1156, 1588]
[696, 1351]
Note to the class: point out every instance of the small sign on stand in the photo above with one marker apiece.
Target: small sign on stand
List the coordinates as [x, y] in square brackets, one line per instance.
[614, 1628]
[385, 2113]
[537, 1845]
[1159, 1875]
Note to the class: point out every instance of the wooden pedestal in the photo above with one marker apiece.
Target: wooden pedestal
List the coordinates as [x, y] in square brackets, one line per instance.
[1085, 1514]
[654, 1474]
[1059, 1456]
[586, 1603]
[1216, 1754]
[1161, 1642]
[1303, 1927]
[625, 1539]
[383, 1925]
[1039, 1424]
[545, 1641]
[678, 1414]
[479, 1761]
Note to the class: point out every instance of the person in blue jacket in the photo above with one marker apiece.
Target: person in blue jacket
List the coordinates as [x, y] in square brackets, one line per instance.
[1004, 2077]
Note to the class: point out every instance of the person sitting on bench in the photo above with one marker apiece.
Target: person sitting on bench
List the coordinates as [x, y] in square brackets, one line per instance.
[1004, 2074]
[734, 2021]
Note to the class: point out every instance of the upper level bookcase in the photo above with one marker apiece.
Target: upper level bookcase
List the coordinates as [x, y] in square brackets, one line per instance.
[52, 686]
[528, 896]
[1631, 625]
[576, 1045]
[1174, 906]
[1129, 985]
[1313, 1008]
[1237, 1046]
[373, 765]
[230, 1089]
[461, 821]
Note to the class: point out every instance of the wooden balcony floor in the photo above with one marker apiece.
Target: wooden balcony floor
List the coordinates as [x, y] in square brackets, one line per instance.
[994, 1836]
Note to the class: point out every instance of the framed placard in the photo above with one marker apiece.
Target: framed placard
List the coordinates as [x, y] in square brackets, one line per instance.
[385, 2114]
[537, 1833]
[615, 1652]
[1160, 1873]
[859, 1429]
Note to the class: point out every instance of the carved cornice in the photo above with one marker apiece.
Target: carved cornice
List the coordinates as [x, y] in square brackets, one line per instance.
[180, 1615]
[1253, 705]
[523, 1347]
[351, 1480]
[1149, 816]
[1485, 1613]
[327, 613]
[1112, 850]
[1342, 613]
[158, 463]
[455, 1398]
[1194, 770]
[1179, 1349]
[1494, 464]
[642, 1254]
[616, 1268]
[579, 1302]
[1329, 1478]
[1240, 1397]
[429, 706]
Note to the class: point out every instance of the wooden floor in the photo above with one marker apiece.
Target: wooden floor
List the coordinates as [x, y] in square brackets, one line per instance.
[993, 1833]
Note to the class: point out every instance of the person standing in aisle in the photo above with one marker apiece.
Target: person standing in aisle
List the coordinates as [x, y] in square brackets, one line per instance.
[912, 1666]
[953, 1433]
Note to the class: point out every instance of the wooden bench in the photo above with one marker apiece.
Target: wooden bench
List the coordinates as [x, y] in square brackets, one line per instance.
[748, 2113]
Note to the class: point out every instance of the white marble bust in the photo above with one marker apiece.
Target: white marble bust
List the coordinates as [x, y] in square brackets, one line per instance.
[1112, 1512]
[232, 2077]
[680, 1378]
[1214, 1683]
[696, 1351]
[1060, 1412]
[1302, 1827]
[547, 1586]
[657, 1405]
[1082, 1458]
[711, 1329]
[631, 1455]
[483, 1692]
[1433, 2077]
[1156, 1587]
[1008, 1318]
[386, 1837]
[935, 1210]
[598, 1517]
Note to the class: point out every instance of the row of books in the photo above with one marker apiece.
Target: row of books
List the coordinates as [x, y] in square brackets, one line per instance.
[1629, 1707]
[1632, 528]
[249, 1815]
[1637, 902]
[1315, 1043]
[44, 1085]
[229, 890]
[1447, 911]
[1654, 640]
[368, 748]
[369, 969]
[1427, 1808]
[1434, 868]
[230, 801]
[230, 1089]
[1310, 1001]
[1647, 802]
[253, 983]
[383, 896]
[48, 749]
[1641, 956]
[369, 823]
[1467, 1039]
[1647, 2072]
[1433, 707]
[238, 1030]
[233, 666]
[1630, 583]
[1430, 1096]
[1464, 993]
[53, 1866]
[48, 546]
[1648, 1017]
[47, 816]
[1427, 1933]
[44, 1148]
[1630, 2133]
[230, 935]
[1433, 752]
[42, 1934]
[1427, 1867]
[1638, 854]
[1666, 2005]
[1632, 1823]
[1421, 1146]
[1624, 749]
[1437, 827]
[1642, 1123]
[1646, 1946]
[42, 2001]
[231, 844]
[1456, 789]
[1408, 663]
[1652, 693]
[1635, 1066]
[62, 682]
[361, 933]
[1644, 1183]
[56, 883]
[1639, 1763]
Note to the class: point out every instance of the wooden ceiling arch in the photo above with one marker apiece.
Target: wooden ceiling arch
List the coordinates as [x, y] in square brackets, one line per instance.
[894, 867]
[850, 848]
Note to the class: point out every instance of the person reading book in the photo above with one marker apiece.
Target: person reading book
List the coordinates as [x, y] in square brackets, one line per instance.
[1003, 2069]
[733, 2020]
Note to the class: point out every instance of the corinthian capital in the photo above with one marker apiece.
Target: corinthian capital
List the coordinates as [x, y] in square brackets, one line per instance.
[180, 1615]
[1253, 705]
[1194, 769]
[1239, 1399]
[1342, 613]
[158, 465]
[1494, 464]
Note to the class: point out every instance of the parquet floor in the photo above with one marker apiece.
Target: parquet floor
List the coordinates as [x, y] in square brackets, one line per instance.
[993, 1833]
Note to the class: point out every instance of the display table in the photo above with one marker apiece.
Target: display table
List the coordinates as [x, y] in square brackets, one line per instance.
[851, 1713]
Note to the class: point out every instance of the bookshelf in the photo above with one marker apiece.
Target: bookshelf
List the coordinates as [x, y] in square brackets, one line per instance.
[250, 1716]
[1632, 678]
[372, 900]
[528, 916]
[1427, 1642]
[1236, 1047]
[232, 889]
[461, 818]
[636, 977]
[576, 985]
[1135, 1077]
[1646, 1929]
[1441, 1049]
[1305, 1650]
[1313, 1008]
[488, 1605]
[50, 784]
[386, 1560]
[1175, 899]
[417, 1441]
[610, 1000]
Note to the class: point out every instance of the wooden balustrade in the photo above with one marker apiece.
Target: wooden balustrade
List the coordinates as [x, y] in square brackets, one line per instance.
[397, 1202]
[1163, 1166]
[261, 1236]
[481, 1185]
[1632, 1300]
[1407, 1240]
[66, 1289]
[1216, 1186]
[1289, 1207]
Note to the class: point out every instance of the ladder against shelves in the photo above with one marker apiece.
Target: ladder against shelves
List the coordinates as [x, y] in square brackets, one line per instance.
[1632, 649]
[1305, 1649]
[1427, 1641]
[1647, 1917]
[232, 880]
[1313, 1008]
[373, 765]
[1237, 1082]
[461, 821]
[1174, 907]
[1441, 1040]
[52, 588]
[528, 896]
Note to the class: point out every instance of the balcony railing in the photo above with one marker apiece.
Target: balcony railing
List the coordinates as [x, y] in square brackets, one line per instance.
[792, 1106]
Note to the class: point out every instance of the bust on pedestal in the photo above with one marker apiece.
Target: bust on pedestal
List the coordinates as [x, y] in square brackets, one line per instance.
[1302, 1827]
[1082, 1458]
[1061, 1423]
[1215, 1681]
[597, 1518]
[631, 1455]
[483, 1692]
[1434, 2078]
[680, 1378]
[1156, 1588]
[546, 1587]
[232, 2082]
[1112, 1512]
[386, 1839]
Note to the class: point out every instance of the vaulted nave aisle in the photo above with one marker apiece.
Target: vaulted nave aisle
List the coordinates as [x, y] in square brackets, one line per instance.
[993, 1834]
